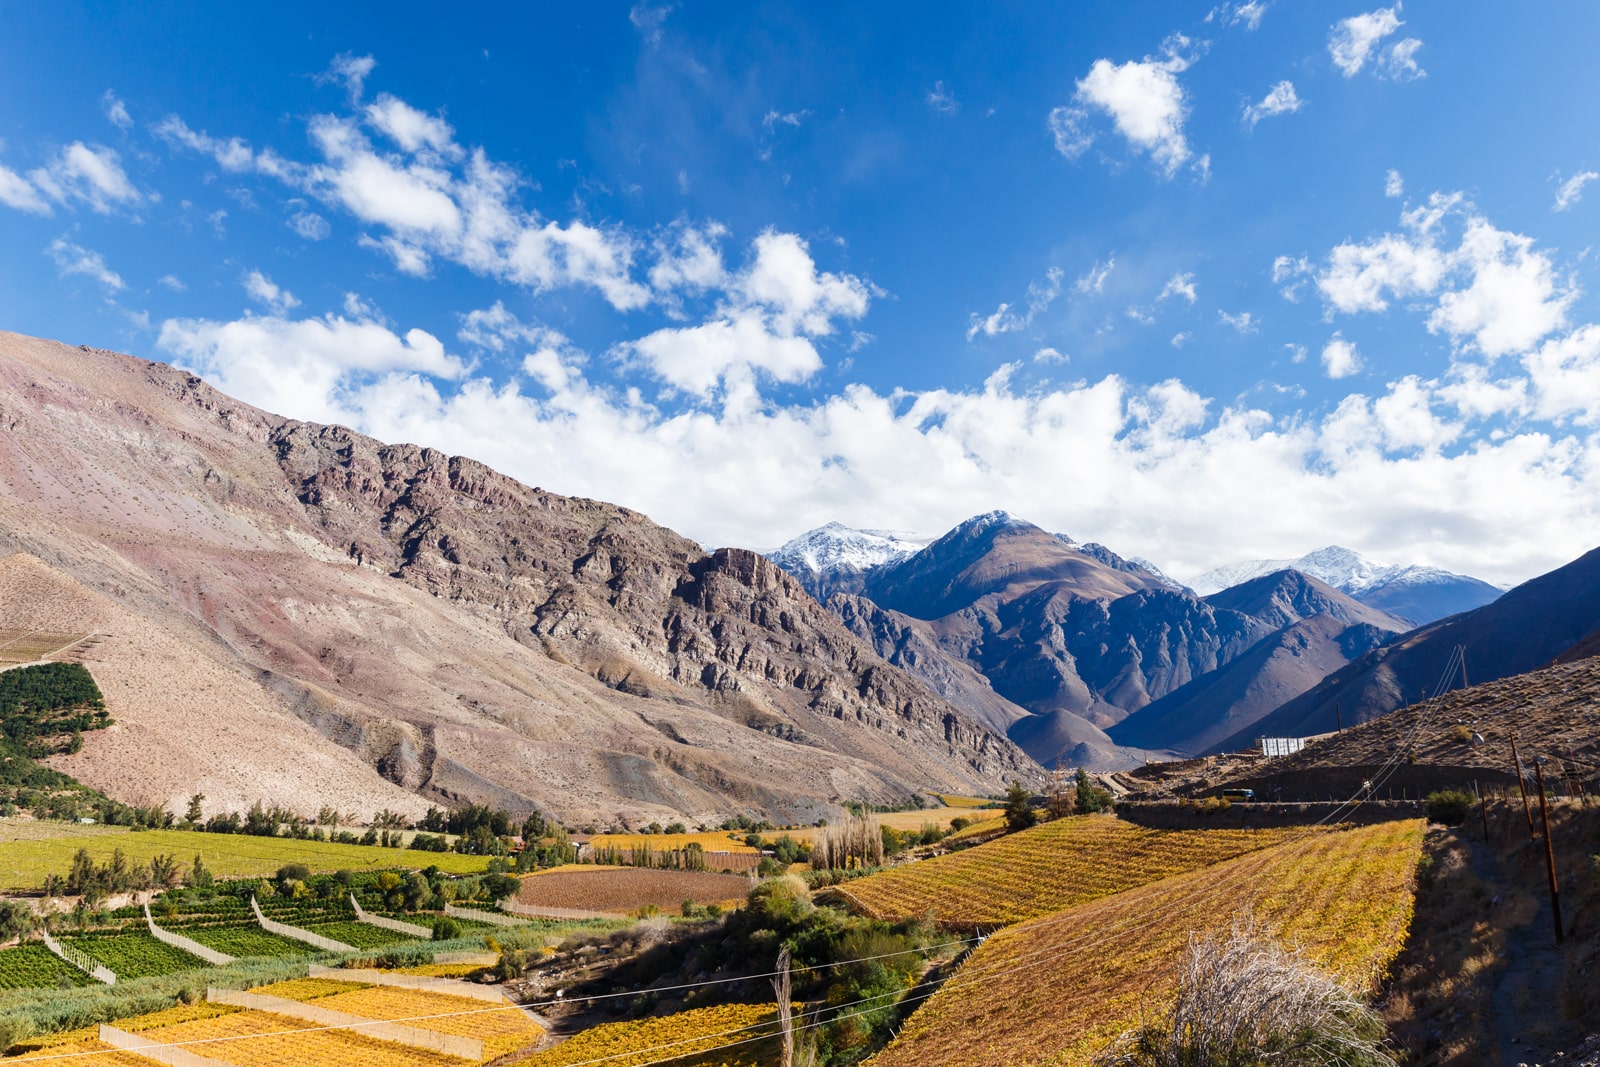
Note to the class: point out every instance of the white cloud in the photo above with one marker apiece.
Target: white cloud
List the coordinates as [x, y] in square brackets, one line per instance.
[116, 111]
[17, 192]
[1400, 61]
[1249, 14]
[264, 291]
[351, 71]
[697, 359]
[649, 19]
[1281, 99]
[1179, 285]
[90, 174]
[1007, 319]
[1243, 323]
[1571, 190]
[689, 258]
[1094, 281]
[1049, 354]
[1339, 358]
[413, 130]
[306, 367]
[1493, 291]
[1297, 353]
[75, 259]
[1289, 273]
[1354, 41]
[1145, 102]
[1162, 472]
[1180, 339]
[1393, 184]
[310, 225]
[173, 282]
[942, 100]
[232, 155]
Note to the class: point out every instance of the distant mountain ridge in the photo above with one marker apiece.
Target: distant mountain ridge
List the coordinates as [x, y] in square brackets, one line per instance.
[1416, 593]
[1057, 642]
[834, 558]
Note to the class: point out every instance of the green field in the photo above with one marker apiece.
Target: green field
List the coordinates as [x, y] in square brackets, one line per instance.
[362, 935]
[135, 955]
[33, 967]
[244, 942]
[30, 849]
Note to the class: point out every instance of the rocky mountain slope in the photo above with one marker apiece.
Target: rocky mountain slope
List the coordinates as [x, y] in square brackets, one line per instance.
[291, 598]
[1525, 629]
[1417, 594]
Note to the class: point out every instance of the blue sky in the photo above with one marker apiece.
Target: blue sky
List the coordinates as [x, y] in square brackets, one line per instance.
[1202, 283]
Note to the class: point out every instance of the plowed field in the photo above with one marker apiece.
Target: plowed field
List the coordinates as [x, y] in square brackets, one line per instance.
[626, 889]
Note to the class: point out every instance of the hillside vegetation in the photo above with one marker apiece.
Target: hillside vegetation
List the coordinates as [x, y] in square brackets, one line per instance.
[1057, 989]
[1045, 869]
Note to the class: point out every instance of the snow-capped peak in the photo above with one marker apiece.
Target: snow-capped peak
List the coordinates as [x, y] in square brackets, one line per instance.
[835, 547]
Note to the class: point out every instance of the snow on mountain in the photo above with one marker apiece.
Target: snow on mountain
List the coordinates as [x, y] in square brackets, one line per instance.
[832, 558]
[1421, 594]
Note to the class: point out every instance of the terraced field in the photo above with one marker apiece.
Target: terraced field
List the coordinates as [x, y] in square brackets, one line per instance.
[243, 941]
[261, 1039]
[135, 955]
[1057, 989]
[362, 935]
[627, 889]
[1045, 869]
[502, 1030]
[35, 967]
[29, 850]
[732, 1035]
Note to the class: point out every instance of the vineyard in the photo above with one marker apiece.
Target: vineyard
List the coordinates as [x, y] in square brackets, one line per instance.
[30, 646]
[222, 1037]
[627, 889]
[1045, 869]
[26, 857]
[1056, 989]
[34, 966]
[690, 1035]
[711, 841]
[134, 955]
[502, 1031]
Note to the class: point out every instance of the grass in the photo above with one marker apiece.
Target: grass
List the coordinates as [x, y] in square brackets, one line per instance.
[1057, 989]
[32, 849]
[1045, 869]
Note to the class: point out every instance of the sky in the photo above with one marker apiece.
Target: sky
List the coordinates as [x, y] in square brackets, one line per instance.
[1201, 283]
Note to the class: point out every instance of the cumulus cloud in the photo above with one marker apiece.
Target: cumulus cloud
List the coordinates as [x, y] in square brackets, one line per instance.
[264, 291]
[1145, 102]
[1161, 471]
[1571, 190]
[1339, 358]
[1492, 289]
[1356, 40]
[310, 225]
[75, 259]
[1393, 184]
[88, 174]
[1281, 99]
[306, 367]
[351, 71]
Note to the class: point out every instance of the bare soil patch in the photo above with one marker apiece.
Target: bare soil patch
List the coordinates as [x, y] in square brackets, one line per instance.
[621, 889]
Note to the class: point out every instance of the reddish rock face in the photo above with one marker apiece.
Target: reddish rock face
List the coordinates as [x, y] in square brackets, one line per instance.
[433, 628]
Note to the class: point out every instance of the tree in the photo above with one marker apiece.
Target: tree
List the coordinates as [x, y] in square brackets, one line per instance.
[1091, 798]
[1058, 793]
[1019, 807]
[192, 816]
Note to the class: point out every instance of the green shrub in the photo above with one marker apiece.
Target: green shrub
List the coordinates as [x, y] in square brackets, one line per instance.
[446, 929]
[1449, 806]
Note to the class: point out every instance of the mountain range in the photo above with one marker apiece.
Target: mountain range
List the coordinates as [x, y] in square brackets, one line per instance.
[1418, 594]
[298, 614]
[1065, 645]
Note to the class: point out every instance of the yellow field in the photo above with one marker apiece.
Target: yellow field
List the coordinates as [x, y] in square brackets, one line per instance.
[1057, 989]
[951, 800]
[28, 646]
[87, 1041]
[261, 1039]
[33, 849]
[688, 1033]
[981, 828]
[711, 841]
[1045, 869]
[501, 1030]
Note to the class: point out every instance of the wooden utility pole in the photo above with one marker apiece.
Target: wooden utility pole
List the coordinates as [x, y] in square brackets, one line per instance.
[1338, 716]
[1549, 852]
[1483, 809]
[1522, 784]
